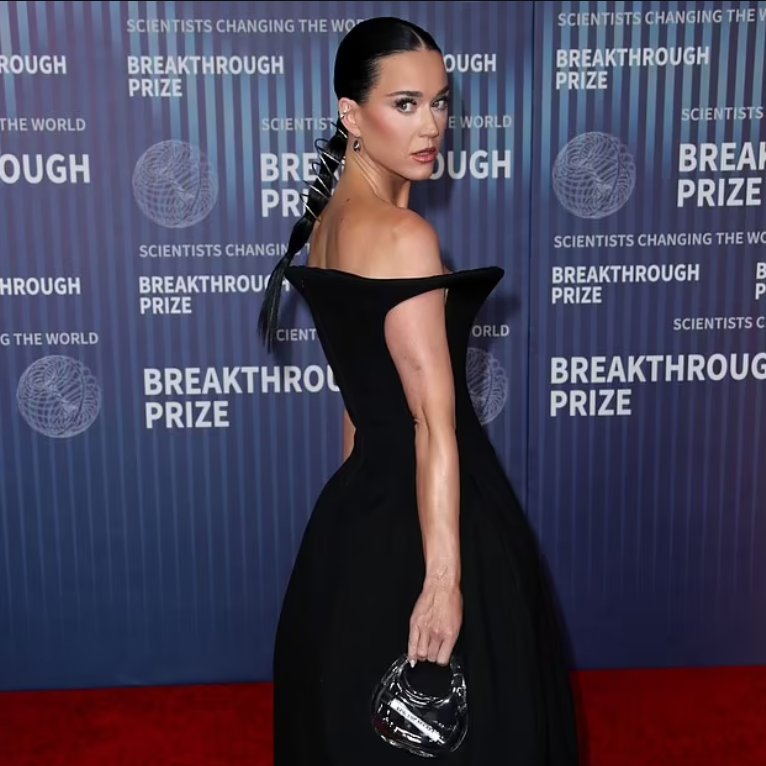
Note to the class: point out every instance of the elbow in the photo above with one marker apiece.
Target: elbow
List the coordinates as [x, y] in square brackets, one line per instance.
[435, 420]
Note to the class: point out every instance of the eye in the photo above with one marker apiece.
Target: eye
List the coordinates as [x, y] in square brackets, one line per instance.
[441, 103]
[403, 103]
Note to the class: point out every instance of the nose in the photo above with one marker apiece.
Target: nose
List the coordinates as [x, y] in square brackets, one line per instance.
[429, 128]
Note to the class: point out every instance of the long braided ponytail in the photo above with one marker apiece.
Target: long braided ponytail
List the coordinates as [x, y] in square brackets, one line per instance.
[317, 196]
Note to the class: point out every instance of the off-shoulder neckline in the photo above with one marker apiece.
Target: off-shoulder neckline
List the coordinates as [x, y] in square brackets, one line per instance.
[319, 270]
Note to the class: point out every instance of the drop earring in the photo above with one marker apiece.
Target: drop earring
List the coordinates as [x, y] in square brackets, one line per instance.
[356, 146]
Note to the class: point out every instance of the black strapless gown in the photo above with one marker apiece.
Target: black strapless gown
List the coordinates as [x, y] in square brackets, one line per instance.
[359, 570]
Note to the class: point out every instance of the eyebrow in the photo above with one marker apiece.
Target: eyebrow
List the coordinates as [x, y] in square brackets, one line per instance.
[416, 93]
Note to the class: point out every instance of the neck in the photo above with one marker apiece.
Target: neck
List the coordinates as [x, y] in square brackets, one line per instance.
[385, 185]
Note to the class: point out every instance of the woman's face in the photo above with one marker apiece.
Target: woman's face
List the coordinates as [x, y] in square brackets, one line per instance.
[402, 123]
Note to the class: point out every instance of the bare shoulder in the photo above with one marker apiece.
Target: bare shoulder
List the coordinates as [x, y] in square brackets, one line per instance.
[413, 247]
[391, 242]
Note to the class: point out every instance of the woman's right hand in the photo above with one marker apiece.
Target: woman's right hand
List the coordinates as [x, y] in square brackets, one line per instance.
[435, 623]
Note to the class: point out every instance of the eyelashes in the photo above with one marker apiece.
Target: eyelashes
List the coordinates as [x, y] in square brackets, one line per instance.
[401, 104]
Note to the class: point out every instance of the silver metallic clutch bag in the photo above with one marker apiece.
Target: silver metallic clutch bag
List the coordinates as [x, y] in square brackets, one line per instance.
[415, 720]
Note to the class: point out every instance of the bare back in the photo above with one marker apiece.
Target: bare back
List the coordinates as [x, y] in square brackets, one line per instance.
[363, 236]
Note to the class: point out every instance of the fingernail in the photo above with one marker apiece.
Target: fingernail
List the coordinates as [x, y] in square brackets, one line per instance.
[412, 663]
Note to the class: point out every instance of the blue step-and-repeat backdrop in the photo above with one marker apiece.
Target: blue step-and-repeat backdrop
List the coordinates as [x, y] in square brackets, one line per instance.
[158, 467]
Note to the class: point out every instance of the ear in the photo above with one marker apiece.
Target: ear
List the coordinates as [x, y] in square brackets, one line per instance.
[348, 111]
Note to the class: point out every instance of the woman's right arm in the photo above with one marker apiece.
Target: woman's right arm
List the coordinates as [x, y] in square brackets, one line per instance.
[348, 435]
[417, 340]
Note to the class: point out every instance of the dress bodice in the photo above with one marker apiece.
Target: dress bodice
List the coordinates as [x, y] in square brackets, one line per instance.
[349, 312]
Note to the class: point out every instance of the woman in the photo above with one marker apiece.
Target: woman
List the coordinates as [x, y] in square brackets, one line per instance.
[417, 542]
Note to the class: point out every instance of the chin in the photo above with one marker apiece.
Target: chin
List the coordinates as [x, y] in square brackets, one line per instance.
[420, 174]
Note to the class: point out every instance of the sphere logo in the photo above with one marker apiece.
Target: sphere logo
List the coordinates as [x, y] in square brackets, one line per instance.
[594, 175]
[58, 396]
[174, 184]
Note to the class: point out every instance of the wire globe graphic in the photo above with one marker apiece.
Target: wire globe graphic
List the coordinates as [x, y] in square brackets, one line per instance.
[174, 184]
[594, 175]
[487, 384]
[58, 396]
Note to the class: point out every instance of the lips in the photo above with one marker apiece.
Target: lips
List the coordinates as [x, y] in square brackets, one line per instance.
[426, 155]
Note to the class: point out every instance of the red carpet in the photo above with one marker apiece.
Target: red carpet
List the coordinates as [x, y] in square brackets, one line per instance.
[694, 717]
